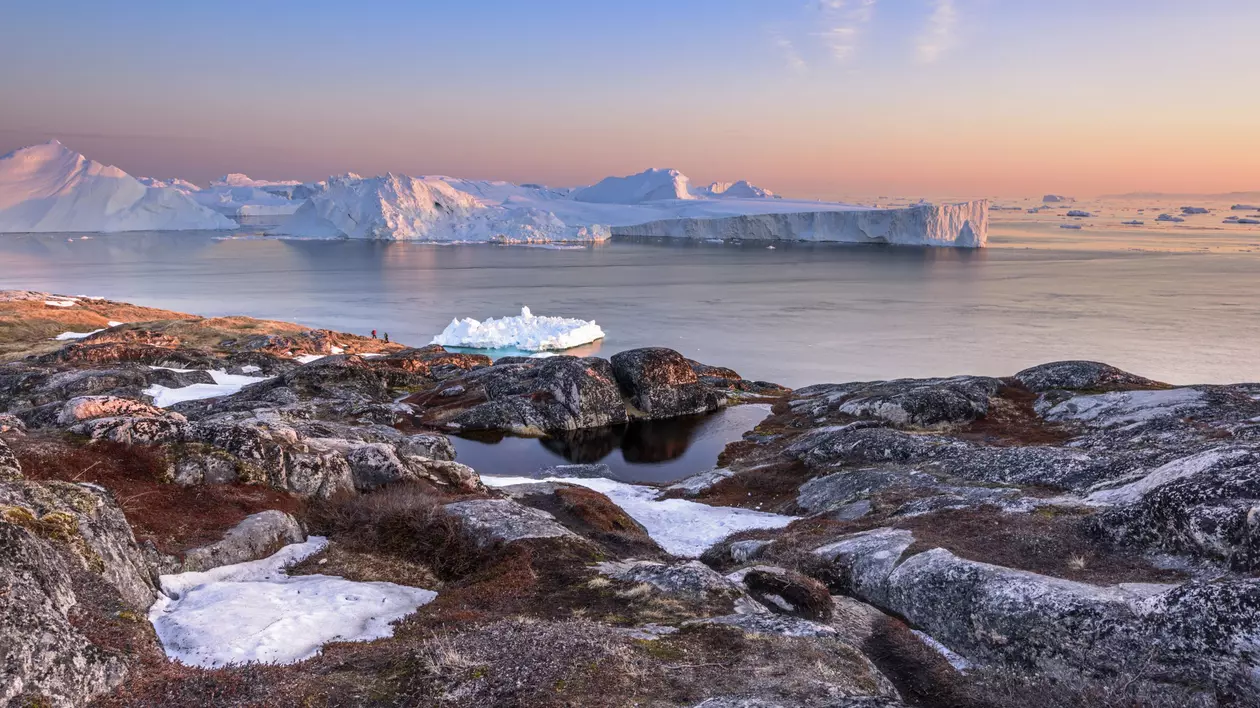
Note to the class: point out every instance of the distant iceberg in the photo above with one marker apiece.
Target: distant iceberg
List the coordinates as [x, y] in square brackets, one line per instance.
[1245, 207]
[50, 188]
[734, 190]
[1193, 210]
[964, 225]
[1169, 218]
[648, 186]
[527, 332]
[398, 207]
[1055, 199]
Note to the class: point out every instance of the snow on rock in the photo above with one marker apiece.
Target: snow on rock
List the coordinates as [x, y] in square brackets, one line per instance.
[254, 612]
[963, 225]
[647, 186]
[396, 207]
[225, 384]
[683, 528]
[50, 188]
[527, 332]
[734, 190]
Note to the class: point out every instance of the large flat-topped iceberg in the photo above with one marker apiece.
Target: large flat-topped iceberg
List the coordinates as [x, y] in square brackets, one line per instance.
[50, 188]
[964, 225]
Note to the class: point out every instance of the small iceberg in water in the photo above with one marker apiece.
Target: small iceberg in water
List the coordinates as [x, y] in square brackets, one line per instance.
[528, 332]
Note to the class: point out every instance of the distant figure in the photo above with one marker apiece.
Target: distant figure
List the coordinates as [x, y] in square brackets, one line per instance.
[387, 337]
[373, 334]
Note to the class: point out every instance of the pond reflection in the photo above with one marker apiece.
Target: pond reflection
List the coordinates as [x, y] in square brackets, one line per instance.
[642, 451]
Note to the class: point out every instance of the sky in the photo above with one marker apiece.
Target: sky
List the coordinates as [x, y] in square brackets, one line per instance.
[809, 98]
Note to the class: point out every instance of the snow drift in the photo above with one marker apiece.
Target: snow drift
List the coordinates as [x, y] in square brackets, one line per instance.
[425, 209]
[528, 332]
[50, 188]
[964, 225]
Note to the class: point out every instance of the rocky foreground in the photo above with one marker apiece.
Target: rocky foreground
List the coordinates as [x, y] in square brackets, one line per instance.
[1073, 535]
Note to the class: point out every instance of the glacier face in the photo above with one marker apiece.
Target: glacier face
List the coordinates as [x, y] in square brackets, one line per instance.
[964, 225]
[50, 188]
[399, 207]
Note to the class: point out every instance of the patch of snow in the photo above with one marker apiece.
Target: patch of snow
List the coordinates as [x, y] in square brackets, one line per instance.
[255, 613]
[251, 369]
[49, 188]
[116, 324]
[528, 332]
[336, 350]
[66, 336]
[308, 358]
[683, 528]
[225, 384]
[1124, 407]
[68, 302]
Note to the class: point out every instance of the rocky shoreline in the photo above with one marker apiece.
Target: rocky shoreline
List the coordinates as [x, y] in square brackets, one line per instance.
[1070, 535]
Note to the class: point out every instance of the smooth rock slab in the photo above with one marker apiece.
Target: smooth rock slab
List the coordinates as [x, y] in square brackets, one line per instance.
[257, 536]
[491, 521]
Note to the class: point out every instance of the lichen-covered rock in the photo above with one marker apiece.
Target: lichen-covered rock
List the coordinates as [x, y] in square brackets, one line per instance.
[257, 536]
[432, 362]
[494, 521]
[12, 424]
[43, 657]
[81, 408]
[135, 430]
[529, 397]
[1105, 410]
[691, 580]
[90, 524]
[836, 490]
[771, 624]
[661, 383]
[859, 565]
[909, 402]
[1081, 375]
[274, 453]
[10, 469]
[697, 483]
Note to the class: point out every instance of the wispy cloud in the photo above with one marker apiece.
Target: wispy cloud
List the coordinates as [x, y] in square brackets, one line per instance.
[941, 34]
[793, 57]
[843, 22]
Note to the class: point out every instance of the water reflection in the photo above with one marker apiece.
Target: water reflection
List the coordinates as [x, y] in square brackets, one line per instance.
[645, 451]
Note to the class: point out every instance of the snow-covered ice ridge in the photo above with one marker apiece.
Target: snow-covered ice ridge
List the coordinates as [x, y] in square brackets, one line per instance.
[528, 332]
[50, 188]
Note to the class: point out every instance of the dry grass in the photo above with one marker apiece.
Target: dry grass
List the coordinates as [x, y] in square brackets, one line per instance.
[173, 517]
[400, 520]
[1011, 420]
[28, 326]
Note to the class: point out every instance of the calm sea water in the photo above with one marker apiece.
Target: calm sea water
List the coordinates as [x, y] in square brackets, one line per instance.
[796, 315]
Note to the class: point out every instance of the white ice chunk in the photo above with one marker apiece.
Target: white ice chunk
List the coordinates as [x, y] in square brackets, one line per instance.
[683, 528]
[255, 612]
[528, 332]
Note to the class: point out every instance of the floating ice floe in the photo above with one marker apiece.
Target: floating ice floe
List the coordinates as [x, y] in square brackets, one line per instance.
[225, 384]
[256, 613]
[681, 527]
[1169, 217]
[528, 332]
